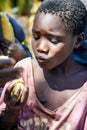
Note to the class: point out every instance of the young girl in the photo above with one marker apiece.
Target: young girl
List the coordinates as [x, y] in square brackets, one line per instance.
[56, 83]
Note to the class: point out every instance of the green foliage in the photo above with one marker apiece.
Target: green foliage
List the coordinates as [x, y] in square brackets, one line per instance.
[24, 6]
[5, 5]
[20, 5]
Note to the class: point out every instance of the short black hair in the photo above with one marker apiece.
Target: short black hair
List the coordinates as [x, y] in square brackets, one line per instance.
[72, 13]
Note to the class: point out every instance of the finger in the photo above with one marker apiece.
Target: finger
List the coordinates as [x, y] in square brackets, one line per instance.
[3, 49]
[18, 104]
[6, 61]
[24, 95]
[2, 107]
[23, 99]
[8, 72]
[6, 96]
[16, 93]
[9, 90]
[13, 100]
[5, 41]
[11, 103]
[8, 75]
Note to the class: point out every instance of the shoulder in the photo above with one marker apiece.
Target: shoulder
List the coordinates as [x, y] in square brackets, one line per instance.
[28, 64]
[24, 61]
[28, 60]
[37, 71]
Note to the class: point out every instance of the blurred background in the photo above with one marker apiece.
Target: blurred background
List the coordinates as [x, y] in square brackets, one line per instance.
[23, 11]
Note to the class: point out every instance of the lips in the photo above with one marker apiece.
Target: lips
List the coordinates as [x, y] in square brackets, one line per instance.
[41, 59]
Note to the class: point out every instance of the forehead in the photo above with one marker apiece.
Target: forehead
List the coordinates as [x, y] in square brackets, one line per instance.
[48, 21]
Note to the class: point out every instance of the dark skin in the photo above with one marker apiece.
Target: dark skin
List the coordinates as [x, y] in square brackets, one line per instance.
[14, 50]
[59, 76]
[7, 72]
[62, 76]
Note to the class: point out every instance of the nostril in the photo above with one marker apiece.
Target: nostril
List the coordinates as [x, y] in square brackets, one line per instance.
[42, 49]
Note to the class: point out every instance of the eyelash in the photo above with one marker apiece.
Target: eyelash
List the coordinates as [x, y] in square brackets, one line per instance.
[51, 39]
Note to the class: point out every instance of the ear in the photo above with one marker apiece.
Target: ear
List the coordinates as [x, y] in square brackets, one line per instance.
[79, 40]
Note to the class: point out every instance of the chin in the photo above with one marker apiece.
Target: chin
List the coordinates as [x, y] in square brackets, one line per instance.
[45, 67]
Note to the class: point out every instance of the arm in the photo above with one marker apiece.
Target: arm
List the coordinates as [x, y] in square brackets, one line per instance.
[9, 117]
[7, 122]
[15, 50]
[7, 72]
[18, 51]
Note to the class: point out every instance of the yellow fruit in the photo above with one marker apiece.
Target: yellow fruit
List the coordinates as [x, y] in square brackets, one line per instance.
[7, 28]
[18, 85]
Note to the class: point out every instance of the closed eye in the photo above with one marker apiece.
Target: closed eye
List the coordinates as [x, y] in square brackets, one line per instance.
[54, 39]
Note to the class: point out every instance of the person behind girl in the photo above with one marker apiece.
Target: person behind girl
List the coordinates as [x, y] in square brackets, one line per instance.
[56, 83]
[10, 53]
[80, 54]
[16, 50]
[7, 73]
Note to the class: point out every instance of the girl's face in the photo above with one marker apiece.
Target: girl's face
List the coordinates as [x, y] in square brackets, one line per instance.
[52, 44]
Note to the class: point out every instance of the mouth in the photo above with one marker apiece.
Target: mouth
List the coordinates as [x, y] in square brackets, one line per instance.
[41, 60]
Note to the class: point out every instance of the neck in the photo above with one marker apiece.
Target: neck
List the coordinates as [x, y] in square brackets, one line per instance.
[68, 67]
[65, 75]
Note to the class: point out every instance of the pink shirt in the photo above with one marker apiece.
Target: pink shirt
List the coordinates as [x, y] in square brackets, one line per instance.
[72, 115]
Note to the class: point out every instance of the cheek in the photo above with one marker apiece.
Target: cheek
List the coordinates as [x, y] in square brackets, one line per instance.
[63, 52]
[57, 50]
[59, 53]
[33, 45]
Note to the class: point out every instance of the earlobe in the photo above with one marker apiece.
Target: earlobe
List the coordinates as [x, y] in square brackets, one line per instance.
[79, 40]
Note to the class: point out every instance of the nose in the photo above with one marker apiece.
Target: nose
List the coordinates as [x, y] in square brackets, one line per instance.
[42, 46]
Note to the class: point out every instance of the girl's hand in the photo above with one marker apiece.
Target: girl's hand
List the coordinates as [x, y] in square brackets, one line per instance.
[13, 104]
[16, 95]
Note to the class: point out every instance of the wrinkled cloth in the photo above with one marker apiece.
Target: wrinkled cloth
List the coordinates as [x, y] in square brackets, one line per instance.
[72, 115]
